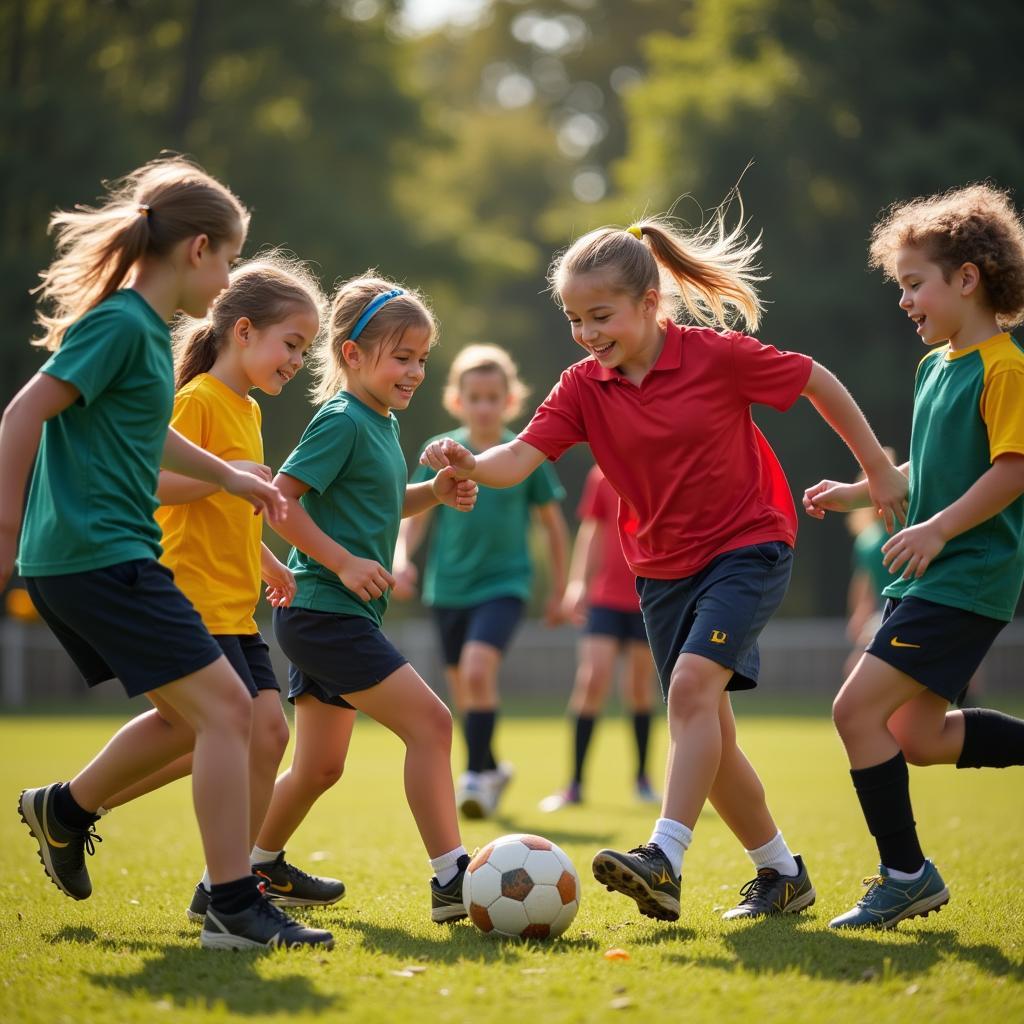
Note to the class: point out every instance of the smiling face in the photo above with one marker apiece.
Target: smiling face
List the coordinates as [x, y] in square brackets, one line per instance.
[272, 355]
[936, 306]
[386, 378]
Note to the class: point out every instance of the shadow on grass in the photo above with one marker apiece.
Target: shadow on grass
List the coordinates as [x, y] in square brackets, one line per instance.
[503, 824]
[783, 944]
[187, 976]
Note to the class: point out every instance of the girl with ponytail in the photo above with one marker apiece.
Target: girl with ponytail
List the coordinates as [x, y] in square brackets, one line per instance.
[97, 416]
[706, 517]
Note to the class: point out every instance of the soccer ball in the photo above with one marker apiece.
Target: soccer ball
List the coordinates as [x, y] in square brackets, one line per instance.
[521, 886]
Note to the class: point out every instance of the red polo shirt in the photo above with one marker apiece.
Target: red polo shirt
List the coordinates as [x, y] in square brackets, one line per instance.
[613, 585]
[682, 450]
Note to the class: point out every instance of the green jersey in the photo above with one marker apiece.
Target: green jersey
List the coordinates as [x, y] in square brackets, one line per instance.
[867, 556]
[350, 457]
[968, 410]
[483, 554]
[93, 491]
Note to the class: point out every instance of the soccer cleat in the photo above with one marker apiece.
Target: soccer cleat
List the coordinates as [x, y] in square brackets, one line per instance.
[645, 791]
[645, 875]
[289, 886]
[446, 900]
[196, 912]
[61, 849]
[260, 925]
[472, 799]
[891, 900]
[495, 781]
[567, 797]
[772, 893]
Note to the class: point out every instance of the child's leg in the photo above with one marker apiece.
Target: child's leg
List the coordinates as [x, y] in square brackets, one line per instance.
[594, 673]
[322, 736]
[266, 748]
[478, 678]
[637, 692]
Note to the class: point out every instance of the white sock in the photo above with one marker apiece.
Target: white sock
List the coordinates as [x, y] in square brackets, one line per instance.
[775, 854]
[446, 866]
[100, 811]
[904, 876]
[205, 880]
[259, 856]
[674, 838]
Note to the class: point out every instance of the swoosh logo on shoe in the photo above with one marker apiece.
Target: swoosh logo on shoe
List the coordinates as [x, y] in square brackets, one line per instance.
[663, 878]
[896, 642]
[282, 888]
[46, 831]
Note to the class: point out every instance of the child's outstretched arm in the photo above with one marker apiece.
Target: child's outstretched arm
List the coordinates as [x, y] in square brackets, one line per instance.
[885, 484]
[42, 398]
[916, 547]
[835, 496]
[447, 488]
[366, 578]
[504, 465]
[586, 559]
[175, 489]
[553, 522]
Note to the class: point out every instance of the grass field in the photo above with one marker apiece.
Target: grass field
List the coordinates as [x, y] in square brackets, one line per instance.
[128, 954]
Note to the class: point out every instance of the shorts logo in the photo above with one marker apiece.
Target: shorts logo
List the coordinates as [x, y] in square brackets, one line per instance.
[718, 636]
[896, 642]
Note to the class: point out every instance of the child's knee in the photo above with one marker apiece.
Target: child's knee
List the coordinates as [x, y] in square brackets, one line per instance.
[270, 738]
[436, 725]
[917, 749]
[690, 694]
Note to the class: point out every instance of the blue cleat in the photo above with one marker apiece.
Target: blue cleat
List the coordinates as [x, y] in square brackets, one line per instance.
[890, 900]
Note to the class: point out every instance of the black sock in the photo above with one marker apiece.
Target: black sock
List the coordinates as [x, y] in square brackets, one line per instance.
[642, 732]
[232, 897]
[584, 730]
[479, 731]
[69, 811]
[884, 794]
[490, 762]
[991, 740]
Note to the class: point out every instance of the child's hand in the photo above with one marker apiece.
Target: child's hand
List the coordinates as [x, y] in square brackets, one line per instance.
[888, 488]
[441, 454]
[449, 489]
[280, 583]
[366, 578]
[263, 496]
[830, 496]
[574, 603]
[916, 546]
[553, 614]
[406, 579]
[256, 468]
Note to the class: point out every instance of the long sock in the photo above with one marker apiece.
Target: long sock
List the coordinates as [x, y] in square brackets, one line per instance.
[490, 762]
[582, 733]
[674, 838]
[642, 733]
[884, 794]
[231, 897]
[261, 856]
[991, 740]
[69, 811]
[775, 854]
[479, 730]
[446, 867]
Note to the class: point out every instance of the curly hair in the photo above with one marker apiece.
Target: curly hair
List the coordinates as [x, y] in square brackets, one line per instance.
[975, 224]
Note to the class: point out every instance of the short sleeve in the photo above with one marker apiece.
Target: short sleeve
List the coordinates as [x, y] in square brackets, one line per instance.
[1002, 409]
[592, 504]
[543, 486]
[192, 418]
[323, 450]
[95, 351]
[558, 424]
[765, 375]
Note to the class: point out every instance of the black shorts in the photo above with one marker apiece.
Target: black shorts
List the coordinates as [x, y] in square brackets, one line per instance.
[718, 612]
[937, 646]
[490, 622]
[250, 658]
[127, 621]
[621, 626]
[333, 654]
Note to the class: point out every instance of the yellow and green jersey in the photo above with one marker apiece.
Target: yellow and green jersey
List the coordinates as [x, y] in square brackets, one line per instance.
[968, 410]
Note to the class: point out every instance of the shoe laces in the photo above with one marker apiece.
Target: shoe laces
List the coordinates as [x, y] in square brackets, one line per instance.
[759, 886]
[873, 882]
[91, 838]
[297, 873]
[267, 908]
[649, 852]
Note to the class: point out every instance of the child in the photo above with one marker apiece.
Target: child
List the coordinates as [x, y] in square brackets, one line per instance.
[958, 259]
[98, 414]
[602, 595]
[256, 336]
[478, 572]
[346, 489]
[666, 410]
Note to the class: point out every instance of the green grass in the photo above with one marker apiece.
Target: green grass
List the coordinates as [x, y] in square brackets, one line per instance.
[128, 954]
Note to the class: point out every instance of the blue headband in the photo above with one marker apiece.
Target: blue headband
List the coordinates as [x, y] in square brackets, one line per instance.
[371, 309]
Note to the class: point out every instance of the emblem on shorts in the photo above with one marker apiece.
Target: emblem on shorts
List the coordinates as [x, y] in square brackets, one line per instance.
[896, 642]
[719, 636]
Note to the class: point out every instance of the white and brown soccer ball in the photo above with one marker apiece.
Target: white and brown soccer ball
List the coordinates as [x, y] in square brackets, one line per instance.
[521, 886]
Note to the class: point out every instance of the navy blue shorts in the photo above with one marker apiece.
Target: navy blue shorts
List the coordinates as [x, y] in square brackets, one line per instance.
[621, 626]
[718, 612]
[937, 646]
[126, 621]
[490, 622]
[250, 658]
[333, 654]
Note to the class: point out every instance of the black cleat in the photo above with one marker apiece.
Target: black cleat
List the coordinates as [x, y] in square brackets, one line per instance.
[289, 886]
[772, 893]
[61, 849]
[446, 900]
[260, 925]
[645, 875]
[196, 912]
